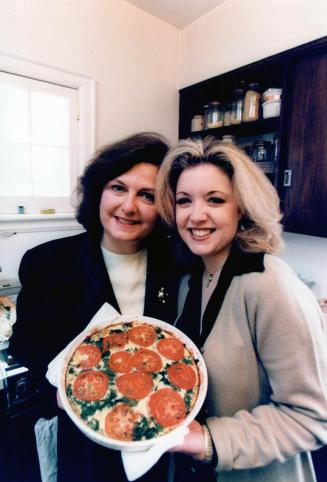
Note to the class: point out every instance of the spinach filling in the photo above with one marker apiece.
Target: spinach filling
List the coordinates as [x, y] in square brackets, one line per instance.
[162, 376]
[160, 335]
[145, 429]
[89, 408]
[188, 399]
[187, 361]
[93, 341]
[93, 424]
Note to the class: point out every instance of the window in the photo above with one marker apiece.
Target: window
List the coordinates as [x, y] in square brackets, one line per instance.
[38, 144]
[46, 135]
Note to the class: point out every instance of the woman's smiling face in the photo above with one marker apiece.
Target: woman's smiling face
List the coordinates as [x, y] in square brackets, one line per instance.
[127, 208]
[207, 213]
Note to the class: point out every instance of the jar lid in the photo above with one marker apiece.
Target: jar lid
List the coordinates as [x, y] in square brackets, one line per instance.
[262, 144]
[272, 93]
[228, 138]
[239, 84]
[253, 86]
[273, 90]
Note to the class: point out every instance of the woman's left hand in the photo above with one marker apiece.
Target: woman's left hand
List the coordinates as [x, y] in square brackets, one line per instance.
[59, 402]
[193, 443]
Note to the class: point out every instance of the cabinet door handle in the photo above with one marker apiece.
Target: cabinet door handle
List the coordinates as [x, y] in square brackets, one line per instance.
[287, 178]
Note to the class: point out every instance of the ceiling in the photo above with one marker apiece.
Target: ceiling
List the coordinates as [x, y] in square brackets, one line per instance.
[178, 13]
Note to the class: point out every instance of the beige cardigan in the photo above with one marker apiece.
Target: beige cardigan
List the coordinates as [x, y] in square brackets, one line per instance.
[267, 363]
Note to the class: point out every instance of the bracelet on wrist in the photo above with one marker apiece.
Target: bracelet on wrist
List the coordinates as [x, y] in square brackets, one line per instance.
[208, 446]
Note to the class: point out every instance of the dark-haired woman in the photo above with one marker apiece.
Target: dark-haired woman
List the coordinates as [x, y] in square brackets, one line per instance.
[66, 281]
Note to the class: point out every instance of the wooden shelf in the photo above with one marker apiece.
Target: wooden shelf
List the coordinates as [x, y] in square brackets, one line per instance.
[267, 167]
[262, 126]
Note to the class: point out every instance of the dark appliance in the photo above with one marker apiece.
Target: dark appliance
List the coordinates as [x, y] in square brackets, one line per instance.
[19, 411]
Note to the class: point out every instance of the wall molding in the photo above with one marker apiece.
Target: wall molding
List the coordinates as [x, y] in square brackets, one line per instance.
[11, 224]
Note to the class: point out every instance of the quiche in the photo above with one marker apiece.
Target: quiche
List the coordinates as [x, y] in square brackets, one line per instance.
[7, 317]
[132, 381]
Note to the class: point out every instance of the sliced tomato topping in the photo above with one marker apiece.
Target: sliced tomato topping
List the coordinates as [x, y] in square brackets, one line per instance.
[171, 348]
[135, 385]
[91, 385]
[143, 335]
[182, 375]
[87, 356]
[114, 340]
[121, 361]
[120, 422]
[167, 407]
[147, 360]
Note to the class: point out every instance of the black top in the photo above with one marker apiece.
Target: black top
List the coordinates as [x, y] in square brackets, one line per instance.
[237, 263]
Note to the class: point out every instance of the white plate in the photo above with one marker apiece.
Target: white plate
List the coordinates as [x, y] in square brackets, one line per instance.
[140, 444]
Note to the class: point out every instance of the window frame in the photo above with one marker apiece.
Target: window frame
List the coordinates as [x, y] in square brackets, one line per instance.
[86, 88]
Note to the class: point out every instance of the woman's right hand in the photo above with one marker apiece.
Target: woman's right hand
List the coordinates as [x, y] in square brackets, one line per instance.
[193, 443]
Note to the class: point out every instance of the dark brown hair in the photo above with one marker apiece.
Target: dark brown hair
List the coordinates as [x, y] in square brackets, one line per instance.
[110, 162]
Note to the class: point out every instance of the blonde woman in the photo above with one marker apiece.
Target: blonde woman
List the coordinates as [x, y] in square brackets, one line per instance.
[259, 327]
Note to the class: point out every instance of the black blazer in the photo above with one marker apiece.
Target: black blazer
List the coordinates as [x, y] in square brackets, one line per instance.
[64, 283]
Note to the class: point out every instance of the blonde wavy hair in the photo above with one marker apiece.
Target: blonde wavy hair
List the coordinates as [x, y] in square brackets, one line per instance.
[258, 202]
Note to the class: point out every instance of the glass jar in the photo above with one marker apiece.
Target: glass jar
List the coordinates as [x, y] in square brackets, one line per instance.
[215, 115]
[249, 150]
[205, 117]
[197, 123]
[260, 153]
[228, 139]
[275, 148]
[227, 114]
[237, 106]
[251, 107]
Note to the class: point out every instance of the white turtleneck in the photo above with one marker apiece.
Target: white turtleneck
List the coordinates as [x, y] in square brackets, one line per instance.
[127, 274]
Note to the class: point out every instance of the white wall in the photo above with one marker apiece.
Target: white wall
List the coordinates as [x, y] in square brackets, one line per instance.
[239, 32]
[307, 255]
[132, 55]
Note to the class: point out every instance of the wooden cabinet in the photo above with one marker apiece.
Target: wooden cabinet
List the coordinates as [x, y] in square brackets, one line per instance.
[304, 145]
[298, 168]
